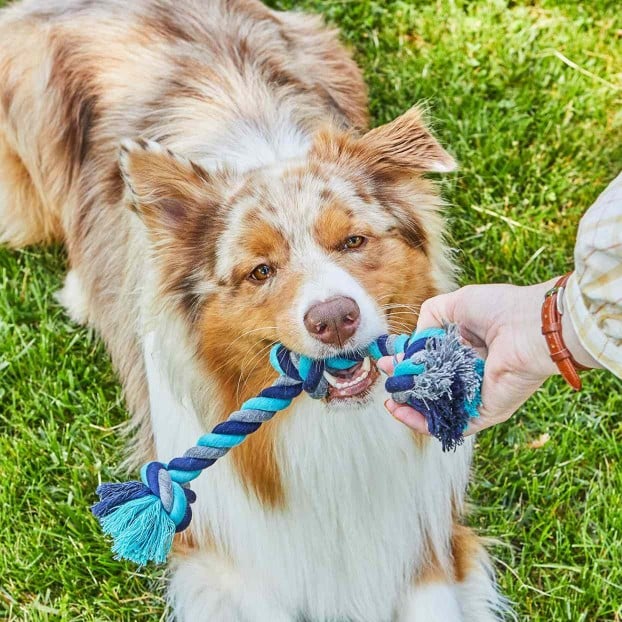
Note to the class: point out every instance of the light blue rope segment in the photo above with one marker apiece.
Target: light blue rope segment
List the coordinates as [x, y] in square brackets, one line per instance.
[221, 440]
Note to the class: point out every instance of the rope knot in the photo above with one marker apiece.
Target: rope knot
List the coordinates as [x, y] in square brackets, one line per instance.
[167, 486]
[441, 378]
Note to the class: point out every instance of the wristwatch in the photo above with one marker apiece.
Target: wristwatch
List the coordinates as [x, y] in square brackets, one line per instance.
[552, 311]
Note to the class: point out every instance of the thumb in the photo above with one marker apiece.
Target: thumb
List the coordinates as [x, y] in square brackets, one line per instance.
[387, 363]
[436, 311]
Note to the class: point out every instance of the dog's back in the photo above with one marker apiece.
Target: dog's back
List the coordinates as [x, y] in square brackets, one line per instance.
[79, 76]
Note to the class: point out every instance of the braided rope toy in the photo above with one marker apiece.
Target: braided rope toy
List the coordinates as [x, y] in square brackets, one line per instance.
[439, 377]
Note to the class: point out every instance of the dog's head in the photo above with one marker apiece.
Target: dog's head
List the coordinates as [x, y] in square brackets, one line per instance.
[323, 254]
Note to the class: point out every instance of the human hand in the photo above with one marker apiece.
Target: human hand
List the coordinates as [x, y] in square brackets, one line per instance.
[502, 322]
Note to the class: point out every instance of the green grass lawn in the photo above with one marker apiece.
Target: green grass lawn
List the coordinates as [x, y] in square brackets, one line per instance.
[528, 95]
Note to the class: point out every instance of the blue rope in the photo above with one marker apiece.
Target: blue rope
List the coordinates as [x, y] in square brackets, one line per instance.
[439, 377]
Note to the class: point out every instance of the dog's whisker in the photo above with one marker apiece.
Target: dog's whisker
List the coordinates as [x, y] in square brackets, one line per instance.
[245, 334]
[401, 326]
[403, 311]
[251, 357]
[400, 306]
[249, 332]
[244, 376]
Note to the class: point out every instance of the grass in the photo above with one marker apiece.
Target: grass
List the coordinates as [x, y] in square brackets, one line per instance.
[528, 95]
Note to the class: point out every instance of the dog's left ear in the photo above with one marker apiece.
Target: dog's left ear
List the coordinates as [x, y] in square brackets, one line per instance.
[166, 189]
[406, 145]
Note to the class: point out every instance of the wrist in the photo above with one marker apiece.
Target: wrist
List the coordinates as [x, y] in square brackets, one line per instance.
[561, 343]
[545, 365]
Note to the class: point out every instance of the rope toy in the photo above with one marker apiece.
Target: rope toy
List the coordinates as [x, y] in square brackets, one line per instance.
[439, 377]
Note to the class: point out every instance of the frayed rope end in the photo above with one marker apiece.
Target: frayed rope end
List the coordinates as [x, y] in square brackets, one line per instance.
[441, 378]
[135, 518]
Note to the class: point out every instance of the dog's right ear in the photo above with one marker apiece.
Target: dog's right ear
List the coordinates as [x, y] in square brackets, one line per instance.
[400, 149]
[165, 188]
[406, 145]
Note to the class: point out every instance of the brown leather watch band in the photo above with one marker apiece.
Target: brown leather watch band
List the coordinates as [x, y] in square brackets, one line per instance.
[552, 331]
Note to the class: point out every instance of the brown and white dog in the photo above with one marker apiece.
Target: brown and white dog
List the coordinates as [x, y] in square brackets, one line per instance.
[247, 205]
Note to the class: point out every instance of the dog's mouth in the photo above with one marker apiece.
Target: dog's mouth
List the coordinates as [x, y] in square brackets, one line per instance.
[345, 384]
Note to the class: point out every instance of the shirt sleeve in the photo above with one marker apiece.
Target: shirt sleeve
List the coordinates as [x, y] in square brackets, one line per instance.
[593, 295]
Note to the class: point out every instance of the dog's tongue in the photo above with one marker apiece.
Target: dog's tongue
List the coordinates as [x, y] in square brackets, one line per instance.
[345, 374]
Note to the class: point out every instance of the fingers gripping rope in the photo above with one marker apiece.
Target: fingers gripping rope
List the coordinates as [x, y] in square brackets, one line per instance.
[439, 377]
[442, 379]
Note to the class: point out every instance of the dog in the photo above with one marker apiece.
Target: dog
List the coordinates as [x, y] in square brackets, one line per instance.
[208, 166]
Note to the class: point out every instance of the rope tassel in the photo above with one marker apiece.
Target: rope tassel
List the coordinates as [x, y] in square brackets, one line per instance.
[439, 376]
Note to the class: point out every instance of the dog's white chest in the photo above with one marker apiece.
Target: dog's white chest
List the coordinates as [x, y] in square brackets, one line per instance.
[362, 503]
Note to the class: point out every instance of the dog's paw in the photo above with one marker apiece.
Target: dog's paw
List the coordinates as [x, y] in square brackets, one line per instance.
[73, 298]
[432, 602]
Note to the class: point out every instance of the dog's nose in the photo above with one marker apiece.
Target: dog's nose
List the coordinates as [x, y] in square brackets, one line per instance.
[333, 322]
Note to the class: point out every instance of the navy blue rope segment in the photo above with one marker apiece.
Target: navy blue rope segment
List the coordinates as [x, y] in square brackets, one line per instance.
[439, 377]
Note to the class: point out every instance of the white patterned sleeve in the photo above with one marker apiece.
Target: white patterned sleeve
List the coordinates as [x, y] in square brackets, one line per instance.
[593, 295]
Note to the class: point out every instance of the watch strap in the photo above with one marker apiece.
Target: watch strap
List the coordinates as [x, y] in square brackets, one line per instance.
[552, 331]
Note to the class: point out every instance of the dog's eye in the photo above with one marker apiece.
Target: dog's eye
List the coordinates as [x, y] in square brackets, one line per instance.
[262, 272]
[353, 242]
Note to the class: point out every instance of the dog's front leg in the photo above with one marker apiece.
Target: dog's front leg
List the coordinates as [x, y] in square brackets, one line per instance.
[208, 587]
[430, 602]
[461, 590]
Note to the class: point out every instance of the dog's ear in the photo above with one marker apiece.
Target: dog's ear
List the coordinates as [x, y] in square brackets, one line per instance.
[401, 148]
[165, 188]
[406, 145]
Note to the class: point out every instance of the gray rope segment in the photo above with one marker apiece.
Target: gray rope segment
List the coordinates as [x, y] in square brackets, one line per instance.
[251, 415]
[390, 344]
[200, 452]
[166, 489]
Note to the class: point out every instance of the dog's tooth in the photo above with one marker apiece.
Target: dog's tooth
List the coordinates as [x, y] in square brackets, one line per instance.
[338, 384]
[331, 379]
[362, 376]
